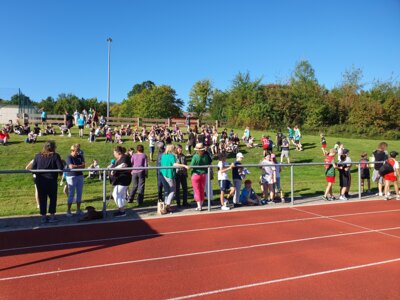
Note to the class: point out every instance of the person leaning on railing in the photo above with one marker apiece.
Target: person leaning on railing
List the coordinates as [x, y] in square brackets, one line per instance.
[46, 183]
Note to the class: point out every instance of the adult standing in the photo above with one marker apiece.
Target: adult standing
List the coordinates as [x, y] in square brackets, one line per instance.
[120, 179]
[379, 155]
[237, 178]
[285, 150]
[199, 175]
[75, 179]
[181, 178]
[69, 121]
[161, 150]
[46, 183]
[138, 159]
[191, 140]
[187, 121]
[168, 159]
[43, 117]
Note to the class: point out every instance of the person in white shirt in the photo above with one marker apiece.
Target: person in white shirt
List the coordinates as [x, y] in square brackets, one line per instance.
[223, 181]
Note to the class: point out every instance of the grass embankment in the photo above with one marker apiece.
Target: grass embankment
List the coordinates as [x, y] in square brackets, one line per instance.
[17, 190]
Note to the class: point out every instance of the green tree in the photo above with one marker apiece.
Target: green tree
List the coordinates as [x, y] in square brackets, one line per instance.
[157, 102]
[139, 87]
[47, 105]
[200, 97]
[218, 105]
[67, 102]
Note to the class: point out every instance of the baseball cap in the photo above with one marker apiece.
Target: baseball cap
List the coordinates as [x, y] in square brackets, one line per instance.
[394, 154]
[239, 155]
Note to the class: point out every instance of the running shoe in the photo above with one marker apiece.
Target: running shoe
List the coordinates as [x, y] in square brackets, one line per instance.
[223, 207]
[119, 214]
[53, 220]
[325, 198]
[343, 197]
[69, 214]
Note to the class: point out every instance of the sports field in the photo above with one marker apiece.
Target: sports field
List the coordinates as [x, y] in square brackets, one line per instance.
[17, 194]
[335, 251]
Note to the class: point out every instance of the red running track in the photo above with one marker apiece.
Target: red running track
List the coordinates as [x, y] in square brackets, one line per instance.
[335, 251]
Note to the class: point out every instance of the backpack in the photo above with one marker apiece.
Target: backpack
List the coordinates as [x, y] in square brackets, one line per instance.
[385, 169]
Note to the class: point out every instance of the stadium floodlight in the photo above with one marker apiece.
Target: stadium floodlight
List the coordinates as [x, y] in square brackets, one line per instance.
[109, 40]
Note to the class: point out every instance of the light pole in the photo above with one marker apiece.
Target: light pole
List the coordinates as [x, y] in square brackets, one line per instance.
[109, 40]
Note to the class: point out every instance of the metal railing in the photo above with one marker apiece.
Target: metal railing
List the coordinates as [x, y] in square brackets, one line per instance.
[105, 172]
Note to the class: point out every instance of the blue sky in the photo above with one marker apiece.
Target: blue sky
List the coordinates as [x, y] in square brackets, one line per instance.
[52, 47]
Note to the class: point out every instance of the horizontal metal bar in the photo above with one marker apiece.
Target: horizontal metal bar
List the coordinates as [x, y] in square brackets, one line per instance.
[171, 167]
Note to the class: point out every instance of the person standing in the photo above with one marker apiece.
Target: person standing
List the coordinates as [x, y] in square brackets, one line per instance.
[138, 159]
[344, 166]
[237, 178]
[379, 155]
[81, 125]
[120, 179]
[290, 134]
[285, 150]
[181, 178]
[187, 121]
[44, 117]
[161, 150]
[297, 138]
[75, 179]
[168, 159]
[46, 183]
[199, 175]
[279, 138]
[393, 176]
[330, 167]
[69, 122]
[191, 140]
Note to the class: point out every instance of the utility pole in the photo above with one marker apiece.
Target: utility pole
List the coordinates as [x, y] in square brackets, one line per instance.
[109, 40]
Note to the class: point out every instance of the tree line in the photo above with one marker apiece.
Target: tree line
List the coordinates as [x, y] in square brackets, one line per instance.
[348, 108]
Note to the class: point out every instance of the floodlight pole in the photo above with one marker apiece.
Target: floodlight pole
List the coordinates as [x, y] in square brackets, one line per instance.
[109, 40]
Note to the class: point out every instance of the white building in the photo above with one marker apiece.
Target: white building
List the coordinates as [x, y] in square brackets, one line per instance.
[8, 112]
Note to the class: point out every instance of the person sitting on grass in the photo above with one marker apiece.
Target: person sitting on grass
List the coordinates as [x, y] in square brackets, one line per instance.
[393, 176]
[109, 136]
[37, 130]
[118, 137]
[50, 130]
[4, 137]
[31, 138]
[223, 181]
[65, 130]
[94, 170]
[330, 167]
[248, 196]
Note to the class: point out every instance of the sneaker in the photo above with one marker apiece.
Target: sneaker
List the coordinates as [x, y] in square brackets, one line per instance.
[398, 197]
[79, 213]
[326, 198]
[387, 197]
[119, 214]
[379, 194]
[283, 200]
[69, 214]
[342, 197]
[44, 220]
[53, 220]
[223, 207]
[263, 202]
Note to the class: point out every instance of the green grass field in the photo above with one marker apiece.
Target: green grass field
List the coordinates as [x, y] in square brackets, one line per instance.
[17, 190]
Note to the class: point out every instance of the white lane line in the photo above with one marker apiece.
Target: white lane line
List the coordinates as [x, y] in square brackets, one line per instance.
[246, 286]
[188, 231]
[151, 259]
[347, 223]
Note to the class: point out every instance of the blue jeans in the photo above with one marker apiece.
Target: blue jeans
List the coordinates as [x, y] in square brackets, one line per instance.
[75, 183]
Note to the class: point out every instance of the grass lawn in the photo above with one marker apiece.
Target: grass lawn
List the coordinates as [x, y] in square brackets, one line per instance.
[17, 190]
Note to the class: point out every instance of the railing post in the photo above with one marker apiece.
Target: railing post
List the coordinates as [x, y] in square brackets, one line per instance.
[209, 189]
[292, 184]
[104, 194]
[359, 181]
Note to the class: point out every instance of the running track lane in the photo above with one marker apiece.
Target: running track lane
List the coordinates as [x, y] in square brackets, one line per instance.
[188, 275]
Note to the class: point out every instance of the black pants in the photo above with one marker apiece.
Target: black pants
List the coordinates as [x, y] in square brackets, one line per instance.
[138, 180]
[160, 186]
[181, 180]
[47, 188]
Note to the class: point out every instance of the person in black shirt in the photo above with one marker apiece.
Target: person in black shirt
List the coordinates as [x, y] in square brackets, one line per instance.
[121, 179]
[181, 178]
[379, 155]
[46, 183]
[279, 138]
[69, 120]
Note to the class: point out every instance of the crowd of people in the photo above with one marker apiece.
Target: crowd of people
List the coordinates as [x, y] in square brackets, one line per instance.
[201, 145]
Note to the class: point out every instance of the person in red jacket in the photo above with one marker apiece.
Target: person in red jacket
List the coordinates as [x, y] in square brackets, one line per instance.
[392, 177]
[4, 137]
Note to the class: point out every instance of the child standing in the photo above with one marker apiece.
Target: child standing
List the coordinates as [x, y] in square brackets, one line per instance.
[323, 144]
[365, 173]
[330, 167]
[223, 181]
[265, 144]
[392, 176]
[152, 144]
[92, 135]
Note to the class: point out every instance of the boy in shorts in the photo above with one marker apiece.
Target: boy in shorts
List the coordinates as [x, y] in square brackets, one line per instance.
[223, 181]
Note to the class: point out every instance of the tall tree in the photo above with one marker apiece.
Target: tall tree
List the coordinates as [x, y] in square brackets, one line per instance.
[139, 87]
[200, 97]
